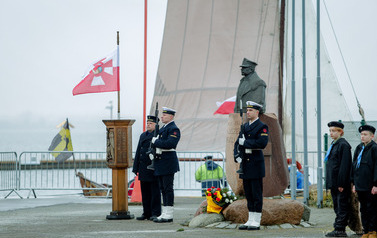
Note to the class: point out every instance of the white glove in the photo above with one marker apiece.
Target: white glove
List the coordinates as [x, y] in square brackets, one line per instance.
[151, 157]
[154, 139]
[239, 160]
[158, 151]
[241, 141]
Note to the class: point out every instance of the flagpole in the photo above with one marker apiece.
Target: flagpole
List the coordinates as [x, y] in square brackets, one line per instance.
[118, 75]
[73, 153]
[145, 63]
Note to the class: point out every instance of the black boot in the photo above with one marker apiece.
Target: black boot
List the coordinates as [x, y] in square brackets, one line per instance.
[337, 233]
[142, 217]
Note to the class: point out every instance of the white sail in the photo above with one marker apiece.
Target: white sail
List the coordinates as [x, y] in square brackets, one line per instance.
[334, 106]
[203, 45]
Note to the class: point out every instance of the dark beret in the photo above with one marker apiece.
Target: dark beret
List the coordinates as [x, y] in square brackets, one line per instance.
[335, 124]
[367, 128]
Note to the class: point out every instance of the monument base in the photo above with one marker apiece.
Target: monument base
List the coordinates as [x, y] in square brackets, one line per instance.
[120, 216]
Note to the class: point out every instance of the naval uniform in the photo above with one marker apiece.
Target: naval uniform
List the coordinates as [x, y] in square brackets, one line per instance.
[150, 192]
[364, 177]
[338, 169]
[256, 139]
[167, 163]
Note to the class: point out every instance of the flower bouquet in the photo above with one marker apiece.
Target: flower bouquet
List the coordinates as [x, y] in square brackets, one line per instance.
[218, 199]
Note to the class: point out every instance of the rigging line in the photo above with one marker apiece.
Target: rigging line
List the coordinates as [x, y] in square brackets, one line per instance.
[262, 21]
[361, 111]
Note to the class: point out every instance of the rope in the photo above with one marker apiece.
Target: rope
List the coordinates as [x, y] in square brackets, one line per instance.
[361, 110]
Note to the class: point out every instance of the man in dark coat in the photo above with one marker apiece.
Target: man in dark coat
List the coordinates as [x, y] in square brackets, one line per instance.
[150, 192]
[166, 164]
[364, 178]
[338, 161]
[252, 141]
[251, 87]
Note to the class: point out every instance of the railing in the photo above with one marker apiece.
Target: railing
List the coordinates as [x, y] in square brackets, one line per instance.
[312, 164]
[8, 172]
[38, 170]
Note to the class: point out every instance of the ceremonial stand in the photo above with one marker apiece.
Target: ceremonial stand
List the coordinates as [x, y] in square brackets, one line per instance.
[119, 158]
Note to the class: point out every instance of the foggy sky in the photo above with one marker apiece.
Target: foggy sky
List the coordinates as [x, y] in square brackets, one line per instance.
[46, 46]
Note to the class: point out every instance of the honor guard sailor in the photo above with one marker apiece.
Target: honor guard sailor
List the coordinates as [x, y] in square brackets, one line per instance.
[166, 165]
[252, 141]
[150, 192]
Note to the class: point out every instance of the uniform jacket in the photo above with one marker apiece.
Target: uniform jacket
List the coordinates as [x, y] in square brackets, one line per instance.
[251, 88]
[169, 136]
[142, 160]
[338, 167]
[256, 138]
[365, 177]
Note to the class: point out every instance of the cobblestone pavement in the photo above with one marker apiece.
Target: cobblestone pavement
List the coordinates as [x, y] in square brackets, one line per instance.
[81, 217]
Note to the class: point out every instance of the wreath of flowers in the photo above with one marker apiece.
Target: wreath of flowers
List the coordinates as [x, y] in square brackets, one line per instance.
[221, 196]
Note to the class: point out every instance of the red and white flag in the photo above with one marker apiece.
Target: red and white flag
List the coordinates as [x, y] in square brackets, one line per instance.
[101, 76]
[226, 107]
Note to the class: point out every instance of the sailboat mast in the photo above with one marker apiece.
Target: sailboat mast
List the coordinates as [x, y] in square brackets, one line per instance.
[293, 165]
[304, 108]
[319, 150]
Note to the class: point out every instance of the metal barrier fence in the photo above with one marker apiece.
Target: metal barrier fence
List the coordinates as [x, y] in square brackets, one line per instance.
[8, 172]
[312, 164]
[38, 170]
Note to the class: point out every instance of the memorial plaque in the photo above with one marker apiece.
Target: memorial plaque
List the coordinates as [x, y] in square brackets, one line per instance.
[119, 143]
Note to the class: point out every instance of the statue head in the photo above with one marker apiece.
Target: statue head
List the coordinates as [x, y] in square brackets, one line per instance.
[247, 67]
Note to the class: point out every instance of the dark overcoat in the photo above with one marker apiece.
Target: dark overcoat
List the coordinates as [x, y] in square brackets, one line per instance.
[142, 160]
[256, 138]
[338, 167]
[169, 136]
[251, 88]
[365, 177]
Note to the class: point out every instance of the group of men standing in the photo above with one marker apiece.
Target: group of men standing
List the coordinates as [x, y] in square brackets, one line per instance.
[247, 149]
[160, 179]
[361, 171]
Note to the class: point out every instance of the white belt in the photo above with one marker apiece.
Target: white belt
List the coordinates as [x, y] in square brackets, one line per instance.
[248, 151]
[167, 150]
[159, 150]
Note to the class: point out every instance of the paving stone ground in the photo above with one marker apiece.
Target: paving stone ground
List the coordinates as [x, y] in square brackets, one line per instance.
[81, 217]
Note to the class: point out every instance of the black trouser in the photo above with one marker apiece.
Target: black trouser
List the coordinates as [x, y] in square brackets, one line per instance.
[341, 201]
[166, 186]
[254, 194]
[368, 210]
[151, 197]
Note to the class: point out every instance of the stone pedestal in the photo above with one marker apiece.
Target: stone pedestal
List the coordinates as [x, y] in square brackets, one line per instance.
[274, 212]
[119, 158]
[277, 176]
